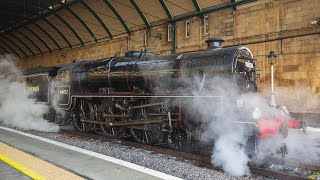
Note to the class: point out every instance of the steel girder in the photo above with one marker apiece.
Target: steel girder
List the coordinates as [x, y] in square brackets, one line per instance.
[165, 7]
[15, 52]
[58, 31]
[146, 22]
[115, 12]
[97, 17]
[37, 36]
[83, 23]
[23, 43]
[12, 42]
[46, 33]
[30, 40]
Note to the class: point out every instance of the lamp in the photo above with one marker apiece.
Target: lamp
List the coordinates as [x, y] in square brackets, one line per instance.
[158, 36]
[272, 59]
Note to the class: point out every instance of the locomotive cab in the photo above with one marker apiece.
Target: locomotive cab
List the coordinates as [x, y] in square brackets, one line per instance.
[38, 82]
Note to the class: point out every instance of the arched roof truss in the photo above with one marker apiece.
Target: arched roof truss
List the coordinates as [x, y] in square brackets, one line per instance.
[80, 22]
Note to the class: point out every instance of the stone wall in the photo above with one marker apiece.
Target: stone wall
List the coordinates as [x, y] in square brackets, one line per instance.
[283, 26]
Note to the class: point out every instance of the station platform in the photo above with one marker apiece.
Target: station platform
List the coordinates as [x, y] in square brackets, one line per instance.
[40, 158]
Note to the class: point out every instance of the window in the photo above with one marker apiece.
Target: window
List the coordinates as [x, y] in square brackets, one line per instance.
[169, 32]
[187, 28]
[205, 25]
[146, 38]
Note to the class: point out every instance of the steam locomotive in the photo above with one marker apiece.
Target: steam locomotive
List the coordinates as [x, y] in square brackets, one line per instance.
[142, 94]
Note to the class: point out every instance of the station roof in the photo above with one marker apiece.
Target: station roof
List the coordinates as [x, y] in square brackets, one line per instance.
[32, 27]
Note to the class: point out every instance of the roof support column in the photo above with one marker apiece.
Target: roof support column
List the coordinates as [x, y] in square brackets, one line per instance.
[37, 36]
[30, 41]
[45, 32]
[164, 6]
[71, 29]
[234, 7]
[83, 23]
[23, 43]
[4, 49]
[196, 5]
[173, 40]
[118, 16]
[15, 45]
[140, 13]
[97, 17]
[58, 31]
[15, 52]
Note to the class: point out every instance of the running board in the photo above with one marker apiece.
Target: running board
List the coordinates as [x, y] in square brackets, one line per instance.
[126, 123]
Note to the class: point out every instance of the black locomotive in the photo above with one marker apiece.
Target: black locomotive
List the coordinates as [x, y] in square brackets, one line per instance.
[142, 94]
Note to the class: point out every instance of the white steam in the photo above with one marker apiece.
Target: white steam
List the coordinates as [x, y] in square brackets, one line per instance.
[17, 109]
[231, 123]
[222, 113]
[232, 119]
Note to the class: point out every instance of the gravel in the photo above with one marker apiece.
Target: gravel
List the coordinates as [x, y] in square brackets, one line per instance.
[291, 170]
[160, 162]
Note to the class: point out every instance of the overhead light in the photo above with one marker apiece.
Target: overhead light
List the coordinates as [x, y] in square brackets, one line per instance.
[50, 7]
[63, 1]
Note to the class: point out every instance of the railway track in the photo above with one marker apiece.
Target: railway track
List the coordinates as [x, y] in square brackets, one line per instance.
[313, 167]
[196, 159]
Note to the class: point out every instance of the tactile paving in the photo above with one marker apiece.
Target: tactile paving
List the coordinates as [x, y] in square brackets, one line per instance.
[33, 166]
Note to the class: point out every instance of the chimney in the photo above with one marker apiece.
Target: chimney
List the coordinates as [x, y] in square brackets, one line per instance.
[214, 43]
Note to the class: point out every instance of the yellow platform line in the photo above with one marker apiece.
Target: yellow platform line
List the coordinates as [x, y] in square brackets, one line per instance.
[31, 166]
[21, 168]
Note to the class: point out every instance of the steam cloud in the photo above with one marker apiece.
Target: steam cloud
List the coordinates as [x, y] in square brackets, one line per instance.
[17, 109]
[231, 122]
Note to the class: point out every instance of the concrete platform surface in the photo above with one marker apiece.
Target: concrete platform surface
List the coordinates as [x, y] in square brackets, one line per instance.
[87, 164]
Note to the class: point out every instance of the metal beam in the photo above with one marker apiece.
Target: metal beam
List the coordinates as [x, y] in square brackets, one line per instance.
[118, 16]
[23, 43]
[233, 7]
[196, 5]
[140, 13]
[71, 29]
[58, 31]
[97, 17]
[173, 39]
[12, 42]
[164, 6]
[47, 13]
[83, 23]
[30, 41]
[45, 32]
[37, 36]
[5, 49]
[15, 52]
[210, 10]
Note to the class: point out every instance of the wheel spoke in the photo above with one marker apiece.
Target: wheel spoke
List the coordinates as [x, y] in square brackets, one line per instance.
[146, 134]
[83, 112]
[112, 131]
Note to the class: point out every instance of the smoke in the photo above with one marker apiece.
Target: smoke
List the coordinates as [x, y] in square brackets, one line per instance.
[55, 97]
[297, 98]
[17, 108]
[231, 124]
[301, 147]
[231, 117]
